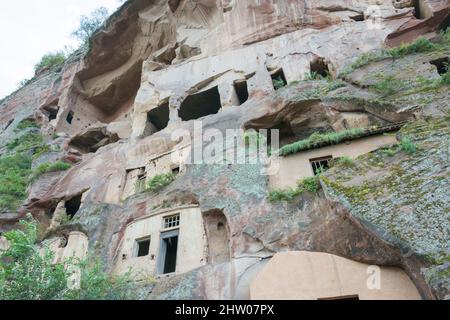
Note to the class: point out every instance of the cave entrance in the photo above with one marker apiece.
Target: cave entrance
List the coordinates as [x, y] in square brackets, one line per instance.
[278, 78]
[159, 117]
[168, 252]
[441, 65]
[200, 105]
[218, 234]
[241, 88]
[52, 112]
[73, 205]
[320, 67]
[70, 116]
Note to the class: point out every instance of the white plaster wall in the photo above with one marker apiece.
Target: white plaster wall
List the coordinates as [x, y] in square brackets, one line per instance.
[297, 166]
[312, 276]
[77, 246]
[191, 243]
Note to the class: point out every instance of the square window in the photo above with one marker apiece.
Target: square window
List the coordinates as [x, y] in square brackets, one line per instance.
[143, 247]
[172, 222]
[320, 165]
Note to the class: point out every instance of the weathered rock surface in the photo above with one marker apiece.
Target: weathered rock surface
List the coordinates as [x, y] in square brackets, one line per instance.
[385, 211]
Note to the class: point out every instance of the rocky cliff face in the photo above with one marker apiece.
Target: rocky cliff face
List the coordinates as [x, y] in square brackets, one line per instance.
[114, 107]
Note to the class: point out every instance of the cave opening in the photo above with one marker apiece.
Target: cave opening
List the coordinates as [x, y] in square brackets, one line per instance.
[441, 65]
[320, 67]
[200, 105]
[278, 78]
[241, 88]
[52, 112]
[73, 205]
[358, 17]
[159, 117]
[70, 116]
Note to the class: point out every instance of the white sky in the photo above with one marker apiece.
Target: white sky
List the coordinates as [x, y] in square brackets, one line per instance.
[31, 28]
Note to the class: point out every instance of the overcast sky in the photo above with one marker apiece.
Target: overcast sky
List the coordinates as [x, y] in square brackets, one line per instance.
[31, 28]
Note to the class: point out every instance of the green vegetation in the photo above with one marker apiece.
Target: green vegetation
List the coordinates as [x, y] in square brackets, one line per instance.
[49, 167]
[306, 185]
[161, 181]
[345, 162]
[15, 165]
[389, 85]
[420, 45]
[14, 172]
[27, 272]
[25, 124]
[279, 195]
[50, 60]
[408, 146]
[89, 24]
[278, 83]
[317, 139]
[309, 184]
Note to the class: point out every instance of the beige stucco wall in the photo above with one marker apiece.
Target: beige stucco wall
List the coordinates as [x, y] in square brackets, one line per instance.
[192, 244]
[77, 246]
[161, 164]
[312, 276]
[297, 166]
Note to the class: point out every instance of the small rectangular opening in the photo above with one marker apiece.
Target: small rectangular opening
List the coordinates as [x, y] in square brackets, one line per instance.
[69, 117]
[141, 180]
[278, 78]
[143, 247]
[240, 86]
[320, 165]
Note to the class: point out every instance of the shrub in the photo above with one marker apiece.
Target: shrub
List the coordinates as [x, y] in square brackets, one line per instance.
[279, 195]
[161, 181]
[319, 138]
[389, 85]
[50, 167]
[25, 124]
[14, 177]
[346, 162]
[50, 60]
[27, 272]
[310, 184]
[407, 145]
[29, 142]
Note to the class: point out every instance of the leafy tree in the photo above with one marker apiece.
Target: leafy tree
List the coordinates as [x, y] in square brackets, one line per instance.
[27, 272]
[89, 24]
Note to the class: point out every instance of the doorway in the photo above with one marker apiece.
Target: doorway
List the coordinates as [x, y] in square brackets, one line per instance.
[168, 252]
